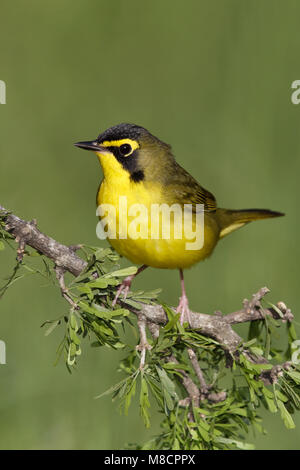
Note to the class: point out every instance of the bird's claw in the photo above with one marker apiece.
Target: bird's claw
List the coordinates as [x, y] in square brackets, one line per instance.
[183, 309]
[124, 288]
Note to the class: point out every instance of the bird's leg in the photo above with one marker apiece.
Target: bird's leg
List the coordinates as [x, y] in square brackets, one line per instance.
[183, 306]
[125, 285]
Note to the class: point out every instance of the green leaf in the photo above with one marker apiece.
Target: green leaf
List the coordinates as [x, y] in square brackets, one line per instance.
[168, 387]
[101, 253]
[285, 415]
[194, 434]
[258, 368]
[119, 312]
[84, 289]
[294, 375]
[113, 389]
[257, 350]
[291, 393]
[122, 272]
[71, 354]
[74, 338]
[156, 390]
[271, 403]
[167, 383]
[130, 392]
[52, 327]
[203, 430]
[144, 402]
[147, 295]
[99, 283]
[249, 343]
[154, 292]
[291, 331]
[238, 444]
[102, 329]
[73, 322]
[96, 310]
[239, 411]
[280, 395]
[276, 309]
[173, 321]
[2, 246]
[175, 445]
[134, 304]
[175, 366]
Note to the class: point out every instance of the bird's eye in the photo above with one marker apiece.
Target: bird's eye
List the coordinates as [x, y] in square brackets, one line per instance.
[125, 149]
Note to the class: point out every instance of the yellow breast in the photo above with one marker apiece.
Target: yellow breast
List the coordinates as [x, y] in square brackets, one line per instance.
[138, 236]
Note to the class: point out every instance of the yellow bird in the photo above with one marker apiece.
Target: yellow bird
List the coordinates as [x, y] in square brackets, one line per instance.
[140, 172]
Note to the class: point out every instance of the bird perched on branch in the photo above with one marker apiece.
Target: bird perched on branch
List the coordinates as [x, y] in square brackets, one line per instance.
[141, 168]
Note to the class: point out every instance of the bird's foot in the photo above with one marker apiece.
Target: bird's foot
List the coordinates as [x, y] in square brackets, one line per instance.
[183, 309]
[124, 288]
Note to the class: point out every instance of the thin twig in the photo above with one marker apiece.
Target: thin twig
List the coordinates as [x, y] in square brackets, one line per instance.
[190, 386]
[143, 345]
[59, 271]
[194, 361]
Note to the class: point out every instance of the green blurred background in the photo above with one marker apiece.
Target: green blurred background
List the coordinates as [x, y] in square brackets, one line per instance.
[211, 77]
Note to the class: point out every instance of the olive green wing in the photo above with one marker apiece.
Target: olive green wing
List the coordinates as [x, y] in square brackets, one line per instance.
[182, 188]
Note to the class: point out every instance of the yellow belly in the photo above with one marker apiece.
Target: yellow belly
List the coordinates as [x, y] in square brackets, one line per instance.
[168, 254]
[160, 253]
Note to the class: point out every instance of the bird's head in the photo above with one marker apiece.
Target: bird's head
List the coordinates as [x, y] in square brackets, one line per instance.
[129, 148]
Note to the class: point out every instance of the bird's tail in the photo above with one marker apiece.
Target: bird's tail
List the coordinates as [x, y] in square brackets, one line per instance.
[231, 220]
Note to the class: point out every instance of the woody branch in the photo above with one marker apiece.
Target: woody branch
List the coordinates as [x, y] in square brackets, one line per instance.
[216, 326]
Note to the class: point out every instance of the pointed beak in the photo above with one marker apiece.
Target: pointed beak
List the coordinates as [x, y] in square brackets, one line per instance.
[90, 145]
